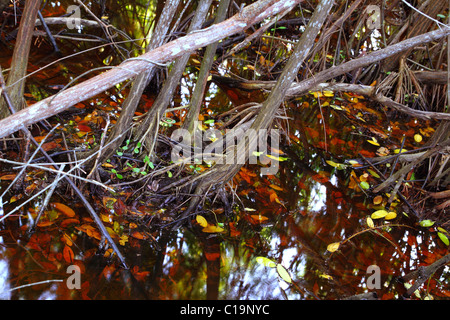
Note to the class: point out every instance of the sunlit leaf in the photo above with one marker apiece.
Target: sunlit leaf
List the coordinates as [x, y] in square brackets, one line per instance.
[276, 158]
[328, 93]
[444, 238]
[266, 262]
[391, 215]
[336, 107]
[332, 247]
[400, 151]
[373, 141]
[201, 221]
[249, 209]
[417, 137]
[370, 222]
[426, 223]
[365, 185]
[63, 209]
[326, 276]
[283, 273]
[212, 229]
[379, 214]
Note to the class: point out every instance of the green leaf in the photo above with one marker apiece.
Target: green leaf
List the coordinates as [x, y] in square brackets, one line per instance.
[426, 223]
[444, 238]
[210, 121]
[266, 262]
[365, 185]
[283, 273]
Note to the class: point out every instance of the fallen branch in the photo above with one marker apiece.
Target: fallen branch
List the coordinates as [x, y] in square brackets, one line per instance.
[422, 274]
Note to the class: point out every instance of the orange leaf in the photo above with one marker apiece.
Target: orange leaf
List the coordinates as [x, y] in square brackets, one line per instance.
[63, 209]
[259, 217]
[45, 223]
[68, 254]
[8, 177]
[84, 128]
[138, 235]
[66, 222]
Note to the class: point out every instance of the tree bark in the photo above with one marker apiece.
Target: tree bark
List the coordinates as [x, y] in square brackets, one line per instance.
[19, 64]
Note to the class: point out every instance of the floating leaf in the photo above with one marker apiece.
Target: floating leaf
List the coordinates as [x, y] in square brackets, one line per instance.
[68, 254]
[8, 177]
[283, 273]
[259, 218]
[212, 229]
[138, 235]
[336, 107]
[332, 163]
[266, 262]
[373, 173]
[377, 200]
[63, 209]
[374, 142]
[275, 187]
[379, 214]
[417, 137]
[365, 185]
[444, 238]
[426, 223]
[332, 247]
[328, 93]
[276, 158]
[370, 222]
[391, 215]
[201, 221]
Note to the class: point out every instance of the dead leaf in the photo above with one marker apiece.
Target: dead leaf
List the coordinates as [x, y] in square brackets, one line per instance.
[63, 209]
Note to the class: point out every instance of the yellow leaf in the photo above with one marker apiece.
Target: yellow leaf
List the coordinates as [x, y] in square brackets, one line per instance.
[417, 138]
[283, 273]
[332, 163]
[317, 94]
[201, 221]
[400, 151]
[379, 214]
[391, 215]
[332, 247]
[123, 239]
[212, 229]
[370, 222]
[374, 142]
[328, 93]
